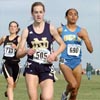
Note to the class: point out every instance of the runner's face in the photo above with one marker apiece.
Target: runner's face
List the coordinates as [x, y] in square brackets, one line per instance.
[38, 13]
[13, 28]
[72, 16]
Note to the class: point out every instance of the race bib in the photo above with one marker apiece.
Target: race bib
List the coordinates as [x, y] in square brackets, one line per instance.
[9, 51]
[40, 56]
[74, 49]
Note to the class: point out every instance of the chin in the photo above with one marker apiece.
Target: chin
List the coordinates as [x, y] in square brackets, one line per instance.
[73, 22]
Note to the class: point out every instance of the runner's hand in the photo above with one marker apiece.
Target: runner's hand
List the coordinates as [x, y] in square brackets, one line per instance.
[52, 57]
[30, 52]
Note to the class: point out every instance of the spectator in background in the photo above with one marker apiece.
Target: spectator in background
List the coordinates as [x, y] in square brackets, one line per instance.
[89, 69]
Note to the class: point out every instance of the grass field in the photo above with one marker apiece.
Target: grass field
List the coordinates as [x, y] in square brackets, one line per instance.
[89, 90]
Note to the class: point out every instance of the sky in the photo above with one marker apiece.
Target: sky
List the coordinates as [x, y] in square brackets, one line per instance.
[89, 18]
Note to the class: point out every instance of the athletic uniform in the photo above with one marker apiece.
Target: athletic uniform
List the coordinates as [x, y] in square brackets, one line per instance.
[11, 63]
[71, 56]
[37, 64]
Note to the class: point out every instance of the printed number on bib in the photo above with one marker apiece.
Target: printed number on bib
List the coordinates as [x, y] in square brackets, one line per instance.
[9, 51]
[41, 55]
[73, 49]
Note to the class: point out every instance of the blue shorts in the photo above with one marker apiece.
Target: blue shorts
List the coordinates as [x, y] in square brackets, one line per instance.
[73, 63]
[43, 71]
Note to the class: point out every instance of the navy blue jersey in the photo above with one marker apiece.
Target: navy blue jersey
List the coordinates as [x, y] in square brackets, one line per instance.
[40, 42]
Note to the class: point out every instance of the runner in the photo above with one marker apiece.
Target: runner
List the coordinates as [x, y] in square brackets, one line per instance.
[70, 60]
[11, 63]
[39, 70]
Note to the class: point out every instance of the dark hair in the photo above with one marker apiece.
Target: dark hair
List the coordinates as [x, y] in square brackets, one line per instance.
[16, 24]
[37, 4]
[69, 10]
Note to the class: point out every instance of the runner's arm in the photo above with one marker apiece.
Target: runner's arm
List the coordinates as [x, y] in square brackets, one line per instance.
[84, 35]
[21, 52]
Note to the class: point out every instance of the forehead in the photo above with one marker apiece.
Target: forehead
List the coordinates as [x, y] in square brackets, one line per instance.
[13, 24]
[72, 11]
[38, 8]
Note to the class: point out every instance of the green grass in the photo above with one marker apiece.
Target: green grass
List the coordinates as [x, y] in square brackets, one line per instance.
[89, 90]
